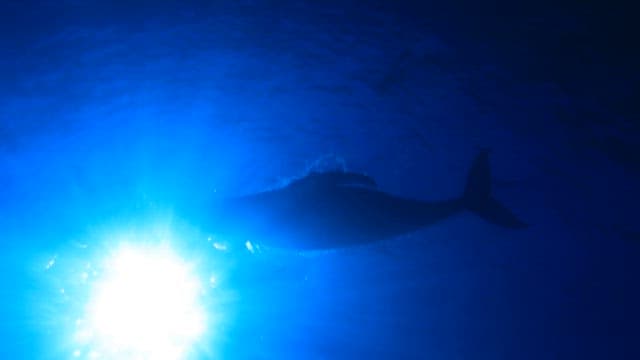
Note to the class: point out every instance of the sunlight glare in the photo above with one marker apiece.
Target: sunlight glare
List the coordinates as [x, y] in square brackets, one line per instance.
[146, 304]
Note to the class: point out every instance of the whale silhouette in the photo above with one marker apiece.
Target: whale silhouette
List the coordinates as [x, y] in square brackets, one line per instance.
[325, 210]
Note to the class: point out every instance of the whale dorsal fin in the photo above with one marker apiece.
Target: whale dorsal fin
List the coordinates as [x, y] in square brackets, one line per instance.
[336, 178]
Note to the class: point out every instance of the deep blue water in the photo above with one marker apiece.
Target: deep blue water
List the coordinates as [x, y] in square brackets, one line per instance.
[115, 117]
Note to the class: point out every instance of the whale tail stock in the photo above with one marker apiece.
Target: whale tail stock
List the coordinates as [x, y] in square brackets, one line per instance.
[478, 199]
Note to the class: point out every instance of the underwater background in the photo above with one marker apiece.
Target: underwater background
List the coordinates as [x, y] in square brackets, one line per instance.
[115, 116]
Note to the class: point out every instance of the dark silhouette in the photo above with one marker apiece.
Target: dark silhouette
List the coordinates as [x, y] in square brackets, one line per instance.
[337, 209]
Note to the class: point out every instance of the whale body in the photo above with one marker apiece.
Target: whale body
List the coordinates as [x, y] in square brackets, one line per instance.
[325, 210]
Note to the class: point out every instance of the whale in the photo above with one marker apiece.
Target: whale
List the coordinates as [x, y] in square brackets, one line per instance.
[337, 209]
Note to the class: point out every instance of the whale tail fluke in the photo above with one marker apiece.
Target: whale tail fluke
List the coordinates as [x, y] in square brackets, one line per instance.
[478, 199]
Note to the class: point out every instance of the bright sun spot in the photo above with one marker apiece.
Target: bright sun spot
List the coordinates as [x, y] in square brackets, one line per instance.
[144, 305]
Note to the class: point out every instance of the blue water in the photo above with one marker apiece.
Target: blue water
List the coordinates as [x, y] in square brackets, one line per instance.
[115, 117]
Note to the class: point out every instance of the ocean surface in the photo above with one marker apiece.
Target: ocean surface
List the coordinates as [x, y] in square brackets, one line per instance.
[116, 116]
